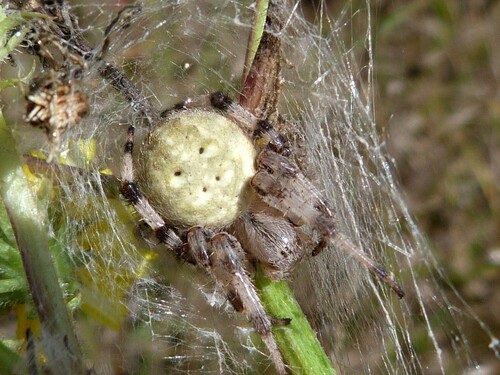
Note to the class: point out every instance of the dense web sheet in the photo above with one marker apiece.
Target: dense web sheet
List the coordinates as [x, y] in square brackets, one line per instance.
[149, 310]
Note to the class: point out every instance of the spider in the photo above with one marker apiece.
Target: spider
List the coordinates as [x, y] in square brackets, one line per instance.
[218, 185]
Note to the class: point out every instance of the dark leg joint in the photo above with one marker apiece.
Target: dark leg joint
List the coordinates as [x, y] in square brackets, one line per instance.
[276, 142]
[130, 191]
[164, 235]
[319, 247]
[220, 101]
[182, 106]
[280, 145]
[384, 276]
[129, 145]
[263, 126]
[198, 247]
[235, 301]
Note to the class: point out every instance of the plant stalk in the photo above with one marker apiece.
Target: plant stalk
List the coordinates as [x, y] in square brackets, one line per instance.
[297, 341]
[30, 225]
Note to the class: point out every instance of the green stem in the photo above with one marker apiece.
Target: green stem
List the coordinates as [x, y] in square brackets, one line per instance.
[297, 341]
[10, 361]
[259, 21]
[29, 223]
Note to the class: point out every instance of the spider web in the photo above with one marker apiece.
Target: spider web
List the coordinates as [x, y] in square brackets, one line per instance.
[148, 310]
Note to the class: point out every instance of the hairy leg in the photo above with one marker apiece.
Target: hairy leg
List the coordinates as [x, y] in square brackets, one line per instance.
[131, 192]
[282, 185]
[223, 257]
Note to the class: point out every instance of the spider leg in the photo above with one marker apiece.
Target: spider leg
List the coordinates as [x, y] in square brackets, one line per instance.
[121, 21]
[223, 257]
[343, 243]
[131, 192]
[282, 185]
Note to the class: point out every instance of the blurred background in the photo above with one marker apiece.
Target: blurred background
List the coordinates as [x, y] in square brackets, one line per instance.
[437, 68]
[437, 99]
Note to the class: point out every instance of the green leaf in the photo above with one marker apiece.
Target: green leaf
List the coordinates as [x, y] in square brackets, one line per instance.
[9, 37]
[10, 362]
[29, 222]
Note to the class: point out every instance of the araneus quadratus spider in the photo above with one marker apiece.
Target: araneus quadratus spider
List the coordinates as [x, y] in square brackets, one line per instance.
[217, 184]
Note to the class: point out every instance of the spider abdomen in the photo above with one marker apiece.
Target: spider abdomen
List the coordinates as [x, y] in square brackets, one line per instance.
[195, 169]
